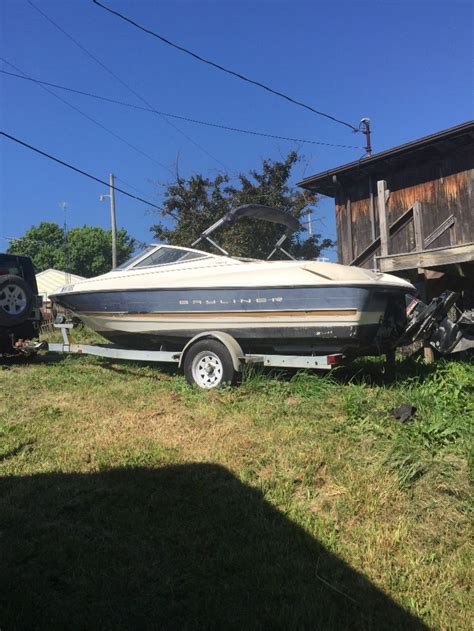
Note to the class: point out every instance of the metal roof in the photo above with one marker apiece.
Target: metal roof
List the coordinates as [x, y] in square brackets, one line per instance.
[326, 182]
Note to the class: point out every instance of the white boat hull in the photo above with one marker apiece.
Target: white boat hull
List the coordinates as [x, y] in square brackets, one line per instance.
[278, 306]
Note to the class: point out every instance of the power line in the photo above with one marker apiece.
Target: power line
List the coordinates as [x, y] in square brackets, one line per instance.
[184, 118]
[223, 68]
[134, 188]
[122, 82]
[89, 118]
[164, 211]
[77, 170]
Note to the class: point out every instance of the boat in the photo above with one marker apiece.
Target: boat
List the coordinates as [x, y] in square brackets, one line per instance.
[166, 295]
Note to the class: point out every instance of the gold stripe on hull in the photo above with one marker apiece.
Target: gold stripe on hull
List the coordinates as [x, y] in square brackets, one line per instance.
[226, 314]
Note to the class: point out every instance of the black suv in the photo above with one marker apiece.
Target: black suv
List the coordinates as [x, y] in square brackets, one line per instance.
[20, 315]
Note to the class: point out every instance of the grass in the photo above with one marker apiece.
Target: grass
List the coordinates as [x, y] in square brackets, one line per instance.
[130, 500]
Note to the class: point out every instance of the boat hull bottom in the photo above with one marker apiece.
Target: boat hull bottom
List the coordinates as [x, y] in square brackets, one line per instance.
[348, 339]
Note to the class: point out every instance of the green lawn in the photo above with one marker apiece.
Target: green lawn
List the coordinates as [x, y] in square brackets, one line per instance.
[131, 501]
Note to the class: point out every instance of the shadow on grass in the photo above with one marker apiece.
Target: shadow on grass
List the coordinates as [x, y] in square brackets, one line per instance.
[370, 370]
[120, 366]
[130, 368]
[373, 371]
[179, 547]
[8, 361]
[362, 371]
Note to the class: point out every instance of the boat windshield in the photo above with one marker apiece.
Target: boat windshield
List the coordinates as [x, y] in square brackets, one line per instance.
[165, 255]
[162, 255]
[135, 257]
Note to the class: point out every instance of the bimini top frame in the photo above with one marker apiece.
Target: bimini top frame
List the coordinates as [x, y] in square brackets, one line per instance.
[258, 211]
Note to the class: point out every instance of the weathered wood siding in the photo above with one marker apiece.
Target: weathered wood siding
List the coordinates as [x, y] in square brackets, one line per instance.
[444, 186]
[361, 223]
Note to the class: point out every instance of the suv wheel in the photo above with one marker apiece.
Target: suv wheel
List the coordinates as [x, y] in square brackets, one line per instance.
[16, 300]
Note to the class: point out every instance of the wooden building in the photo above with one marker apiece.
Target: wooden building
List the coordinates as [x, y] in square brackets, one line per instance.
[408, 210]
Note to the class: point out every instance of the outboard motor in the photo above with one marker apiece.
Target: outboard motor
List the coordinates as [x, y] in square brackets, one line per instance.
[431, 323]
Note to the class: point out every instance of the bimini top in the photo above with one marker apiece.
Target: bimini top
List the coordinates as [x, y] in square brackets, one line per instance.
[266, 213]
[257, 211]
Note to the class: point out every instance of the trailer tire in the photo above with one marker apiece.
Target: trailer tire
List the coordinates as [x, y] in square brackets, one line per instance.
[16, 300]
[208, 364]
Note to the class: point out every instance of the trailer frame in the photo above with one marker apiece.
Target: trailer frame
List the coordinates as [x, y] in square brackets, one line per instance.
[238, 357]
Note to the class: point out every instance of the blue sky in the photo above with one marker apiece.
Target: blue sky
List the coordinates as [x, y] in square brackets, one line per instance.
[406, 65]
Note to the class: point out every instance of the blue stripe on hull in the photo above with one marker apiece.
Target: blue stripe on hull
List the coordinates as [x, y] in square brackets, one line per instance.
[368, 299]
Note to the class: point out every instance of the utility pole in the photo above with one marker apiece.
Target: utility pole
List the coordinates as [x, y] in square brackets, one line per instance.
[64, 206]
[112, 219]
[111, 196]
[365, 129]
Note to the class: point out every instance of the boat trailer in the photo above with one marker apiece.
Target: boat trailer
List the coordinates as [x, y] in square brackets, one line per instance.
[213, 358]
[219, 358]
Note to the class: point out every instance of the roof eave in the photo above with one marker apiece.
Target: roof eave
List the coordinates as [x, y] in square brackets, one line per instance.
[326, 181]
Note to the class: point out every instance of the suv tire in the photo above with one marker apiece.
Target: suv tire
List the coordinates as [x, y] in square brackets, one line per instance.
[16, 300]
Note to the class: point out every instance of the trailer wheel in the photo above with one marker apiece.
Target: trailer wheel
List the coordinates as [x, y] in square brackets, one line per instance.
[208, 364]
[16, 300]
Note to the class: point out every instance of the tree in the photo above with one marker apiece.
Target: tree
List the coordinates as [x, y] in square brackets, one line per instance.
[198, 202]
[87, 251]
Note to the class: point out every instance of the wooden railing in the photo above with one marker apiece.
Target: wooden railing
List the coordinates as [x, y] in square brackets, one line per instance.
[413, 214]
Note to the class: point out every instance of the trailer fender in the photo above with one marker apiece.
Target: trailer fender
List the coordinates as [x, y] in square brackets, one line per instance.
[229, 342]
